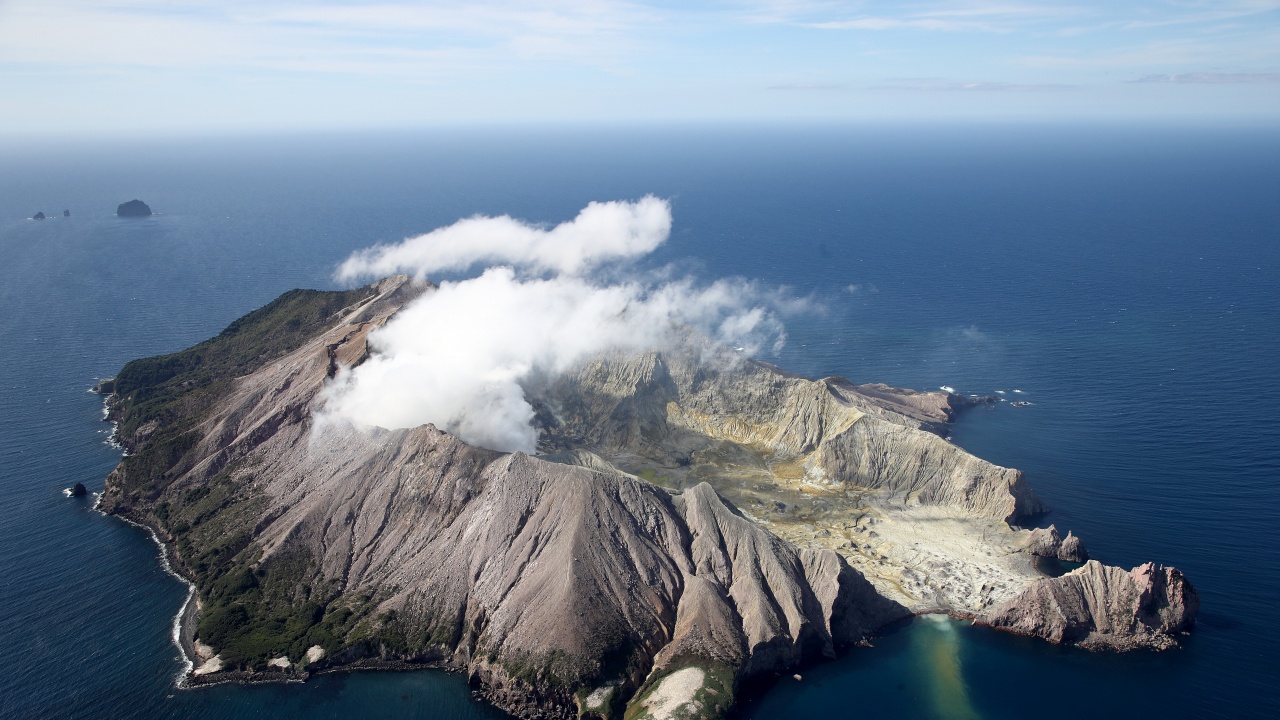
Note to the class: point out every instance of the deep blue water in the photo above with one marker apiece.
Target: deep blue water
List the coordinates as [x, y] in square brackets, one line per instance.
[1124, 278]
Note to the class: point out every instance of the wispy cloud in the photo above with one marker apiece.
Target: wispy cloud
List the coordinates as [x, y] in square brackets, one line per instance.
[397, 37]
[1212, 78]
[947, 17]
[809, 86]
[991, 19]
[928, 85]
[1005, 17]
[944, 85]
[1155, 55]
[1201, 13]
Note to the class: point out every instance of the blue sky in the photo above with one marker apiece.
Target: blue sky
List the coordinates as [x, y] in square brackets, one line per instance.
[123, 66]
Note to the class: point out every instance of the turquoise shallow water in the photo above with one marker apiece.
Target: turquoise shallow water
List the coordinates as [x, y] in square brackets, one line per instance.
[1124, 279]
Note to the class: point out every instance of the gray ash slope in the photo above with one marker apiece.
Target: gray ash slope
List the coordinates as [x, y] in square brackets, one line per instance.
[569, 583]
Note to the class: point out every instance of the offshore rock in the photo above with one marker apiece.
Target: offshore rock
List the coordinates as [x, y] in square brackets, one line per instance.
[1072, 549]
[79, 490]
[1045, 542]
[133, 208]
[38, 216]
[1103, 607]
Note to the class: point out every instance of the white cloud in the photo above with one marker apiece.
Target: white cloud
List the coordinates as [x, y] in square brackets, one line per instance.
[461, 356]
[601, 232]
[1004, 17]
[944, 85]
[998, 17]
[419, 39]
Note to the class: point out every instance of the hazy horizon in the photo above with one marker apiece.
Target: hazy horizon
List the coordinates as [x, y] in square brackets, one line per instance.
[53, 138]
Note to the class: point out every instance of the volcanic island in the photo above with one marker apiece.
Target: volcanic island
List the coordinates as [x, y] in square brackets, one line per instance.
[693, 520]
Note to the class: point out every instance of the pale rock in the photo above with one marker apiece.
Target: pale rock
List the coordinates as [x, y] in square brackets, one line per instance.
[209, 667]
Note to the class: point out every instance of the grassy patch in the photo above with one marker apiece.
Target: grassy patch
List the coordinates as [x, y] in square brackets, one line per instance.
[712, 699]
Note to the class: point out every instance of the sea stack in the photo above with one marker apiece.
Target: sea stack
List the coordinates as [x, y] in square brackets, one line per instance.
[38, 216]
[66, 213]
[1046, 542]
[133, 208]
[79, 490]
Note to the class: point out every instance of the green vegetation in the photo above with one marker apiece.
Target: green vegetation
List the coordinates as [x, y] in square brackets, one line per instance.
[160, 400]
[252, 614]
[146, 474]
[606, 706]
[169, 388]
[253, 609]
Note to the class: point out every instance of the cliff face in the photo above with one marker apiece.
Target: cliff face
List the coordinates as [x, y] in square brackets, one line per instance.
[857, 469]
[1104, 607]
[693, 518]
[667, 406]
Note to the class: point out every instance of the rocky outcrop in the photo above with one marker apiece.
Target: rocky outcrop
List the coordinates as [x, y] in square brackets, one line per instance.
[1103, 607]
[38, 216]
[133, 208]
[66, 213]
[79, 490]
[1072, 549]
[1045, 542]
[913, 467]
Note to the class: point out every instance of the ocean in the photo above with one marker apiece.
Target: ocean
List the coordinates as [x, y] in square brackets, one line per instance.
[1124, 279]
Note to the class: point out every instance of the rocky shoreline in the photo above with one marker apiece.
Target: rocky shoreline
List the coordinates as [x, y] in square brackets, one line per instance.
[692, 520]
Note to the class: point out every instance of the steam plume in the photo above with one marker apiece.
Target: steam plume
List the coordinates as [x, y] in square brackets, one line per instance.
[459, 356]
